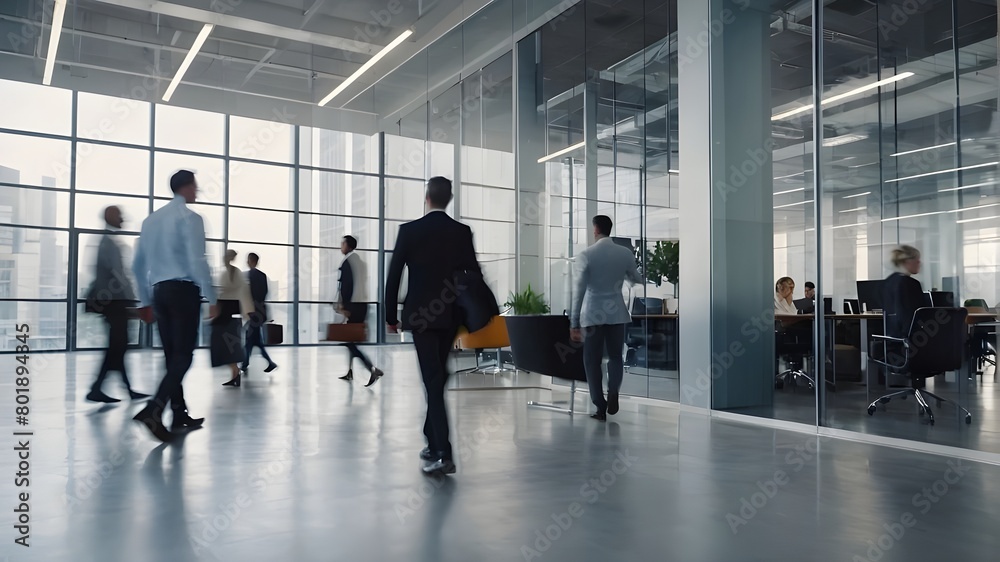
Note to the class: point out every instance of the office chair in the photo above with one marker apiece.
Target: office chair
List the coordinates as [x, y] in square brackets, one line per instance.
[933, 345]
[794, 346]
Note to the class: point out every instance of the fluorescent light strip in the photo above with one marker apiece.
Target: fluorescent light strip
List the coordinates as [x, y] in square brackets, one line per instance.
[923, 149]
[853, 210]
[365, 67]
[838, 97]
[856, 195]
[944, 171]
[557, 154]
[843, 139]
[789, 191]
[941, 212]
[978, 219]
[58, 13]
[961, 187]
[198, 42]
[794, 204]
[802, 173]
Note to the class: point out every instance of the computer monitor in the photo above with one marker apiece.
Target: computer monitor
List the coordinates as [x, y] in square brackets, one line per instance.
[626, 242]
[870, 295]
[804, 305]
[851, 306]
[828, 306]
[941, 298]
[647, 305]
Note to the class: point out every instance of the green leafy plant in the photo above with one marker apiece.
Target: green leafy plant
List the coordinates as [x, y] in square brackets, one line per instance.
[663, 263]
[527, 302]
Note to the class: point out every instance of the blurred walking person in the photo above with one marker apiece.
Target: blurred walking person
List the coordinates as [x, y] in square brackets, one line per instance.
[171, 276]
[112, 296]
[351, 303]
[255, 327]
[234, 308]
[434, 248]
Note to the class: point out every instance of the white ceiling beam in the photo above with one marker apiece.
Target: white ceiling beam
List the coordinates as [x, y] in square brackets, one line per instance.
[267, 14]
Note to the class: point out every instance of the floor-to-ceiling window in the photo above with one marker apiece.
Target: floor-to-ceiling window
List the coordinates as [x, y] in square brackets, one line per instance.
[287, 193]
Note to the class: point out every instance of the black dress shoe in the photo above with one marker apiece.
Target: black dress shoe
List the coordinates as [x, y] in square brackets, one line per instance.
[137, 395]
[152, 418]
[98, 396]
[348, 377]
[376, 375]
[612, 404]
[440, 466]
[271, 367]
[235, 381]
[245, 368]
[183, 421]
[600, 416]
[427, 455]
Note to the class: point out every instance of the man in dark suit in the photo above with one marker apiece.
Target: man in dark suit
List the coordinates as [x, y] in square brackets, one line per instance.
[434, 248]
[112, 295]
[255, 327]
[352, 303]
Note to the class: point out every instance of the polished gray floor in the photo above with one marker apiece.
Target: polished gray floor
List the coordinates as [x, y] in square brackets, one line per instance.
[297, 465]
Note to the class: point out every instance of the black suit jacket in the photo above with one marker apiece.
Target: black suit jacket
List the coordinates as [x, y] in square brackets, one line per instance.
[901, 297]
[434, 248]
[258, 292]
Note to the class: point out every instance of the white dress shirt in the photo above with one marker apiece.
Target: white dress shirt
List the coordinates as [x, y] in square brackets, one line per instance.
[172, 248]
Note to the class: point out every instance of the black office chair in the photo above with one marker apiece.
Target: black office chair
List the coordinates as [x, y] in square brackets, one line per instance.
[794, 345]
[981, 347]
[933, 345]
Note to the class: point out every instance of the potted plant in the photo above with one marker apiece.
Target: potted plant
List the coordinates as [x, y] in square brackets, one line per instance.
[527, 302]
[663, 263]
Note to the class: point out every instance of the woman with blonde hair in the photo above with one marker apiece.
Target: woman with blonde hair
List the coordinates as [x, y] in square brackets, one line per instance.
[783, 290]
[234, 299]
[902, 295]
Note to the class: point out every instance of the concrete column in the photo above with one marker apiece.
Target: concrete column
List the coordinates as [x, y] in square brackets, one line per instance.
[726, 224]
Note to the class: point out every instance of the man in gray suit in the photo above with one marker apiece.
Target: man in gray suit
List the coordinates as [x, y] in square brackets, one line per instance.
[112, 295]
[601, 312]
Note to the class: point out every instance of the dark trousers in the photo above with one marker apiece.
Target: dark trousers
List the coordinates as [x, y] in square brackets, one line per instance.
[116, 315]
[358, 314]
[597, 339]
[177, 307]
[433, 347]
[255, 338]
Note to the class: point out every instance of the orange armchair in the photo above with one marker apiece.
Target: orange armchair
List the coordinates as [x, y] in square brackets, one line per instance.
[493, 336]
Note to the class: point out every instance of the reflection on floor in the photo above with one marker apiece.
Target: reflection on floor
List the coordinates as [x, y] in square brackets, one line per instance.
[847, 408]
[299, 466]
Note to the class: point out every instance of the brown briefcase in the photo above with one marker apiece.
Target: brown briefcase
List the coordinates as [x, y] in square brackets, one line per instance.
[346, 332]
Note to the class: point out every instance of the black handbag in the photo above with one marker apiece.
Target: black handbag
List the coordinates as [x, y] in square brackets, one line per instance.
[226, 343]
[476, 303]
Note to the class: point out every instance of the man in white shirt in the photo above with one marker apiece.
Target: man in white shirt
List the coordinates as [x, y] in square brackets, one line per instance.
[352, 303]
[601, 312]
[171, 276]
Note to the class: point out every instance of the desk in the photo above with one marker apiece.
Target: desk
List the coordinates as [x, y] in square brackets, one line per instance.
[649, 354]
[789, 319]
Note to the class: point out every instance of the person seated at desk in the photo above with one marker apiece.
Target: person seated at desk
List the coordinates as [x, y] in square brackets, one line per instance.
[783, 290]
[901, 293]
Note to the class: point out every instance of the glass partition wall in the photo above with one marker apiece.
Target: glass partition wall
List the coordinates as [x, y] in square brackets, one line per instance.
[912, 161]
[597, 134]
